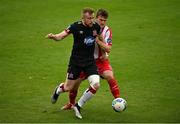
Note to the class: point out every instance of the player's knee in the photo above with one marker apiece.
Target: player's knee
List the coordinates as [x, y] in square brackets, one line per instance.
[94, 81]
[96, 86]
[109, 77]
[67, 87]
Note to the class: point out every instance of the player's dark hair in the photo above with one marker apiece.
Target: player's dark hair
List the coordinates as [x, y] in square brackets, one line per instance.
[88, 10]
[102, 12]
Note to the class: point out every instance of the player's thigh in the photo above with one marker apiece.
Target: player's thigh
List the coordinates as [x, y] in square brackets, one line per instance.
[103, 66]
[71, 84]
[73, 72]
[72, 77]
[91, 70]
[77, 84]
[82, 77]
[93, 76]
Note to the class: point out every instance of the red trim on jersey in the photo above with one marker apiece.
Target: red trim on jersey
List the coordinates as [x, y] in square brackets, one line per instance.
[110, 44]
[102, 30]
[67, 31]
[110, 32]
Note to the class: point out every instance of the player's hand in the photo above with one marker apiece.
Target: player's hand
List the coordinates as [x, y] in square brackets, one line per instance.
[97, 39]
[104, 57]
[100, 38]
[50, 36]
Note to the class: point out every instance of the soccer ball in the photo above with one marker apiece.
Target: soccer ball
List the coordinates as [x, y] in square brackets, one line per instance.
[119, 104]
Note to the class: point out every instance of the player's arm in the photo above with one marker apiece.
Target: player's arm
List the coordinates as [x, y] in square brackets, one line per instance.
[104, 55]
[102, 44]
[58, 37]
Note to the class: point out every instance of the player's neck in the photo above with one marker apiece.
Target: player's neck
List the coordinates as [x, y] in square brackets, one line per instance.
[86, 24]
[102, 27]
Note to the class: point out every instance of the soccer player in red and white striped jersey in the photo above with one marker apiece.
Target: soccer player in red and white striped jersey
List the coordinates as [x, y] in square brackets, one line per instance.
[101, 53]
[102, 48]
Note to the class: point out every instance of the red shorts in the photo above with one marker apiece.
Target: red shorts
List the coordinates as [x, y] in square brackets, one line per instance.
[101, 65]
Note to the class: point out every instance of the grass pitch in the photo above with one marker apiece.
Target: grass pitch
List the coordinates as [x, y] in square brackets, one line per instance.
[145, 57]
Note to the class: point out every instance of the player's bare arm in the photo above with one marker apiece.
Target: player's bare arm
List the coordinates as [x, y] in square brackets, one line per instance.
[102, 44]
[57, 37]
[104, 55]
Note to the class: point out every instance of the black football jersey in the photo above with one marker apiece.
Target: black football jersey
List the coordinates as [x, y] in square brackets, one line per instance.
[84, 43]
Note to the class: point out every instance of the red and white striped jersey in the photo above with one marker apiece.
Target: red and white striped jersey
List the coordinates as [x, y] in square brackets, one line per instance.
[107, 36]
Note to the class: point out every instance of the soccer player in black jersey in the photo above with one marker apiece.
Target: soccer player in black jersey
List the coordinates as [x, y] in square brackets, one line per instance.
[82, 56]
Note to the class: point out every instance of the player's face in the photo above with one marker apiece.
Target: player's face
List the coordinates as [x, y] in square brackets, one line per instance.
[88, 19]
[101, 21]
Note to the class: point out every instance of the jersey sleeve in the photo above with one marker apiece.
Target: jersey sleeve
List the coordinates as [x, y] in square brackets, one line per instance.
[108, 37]
[70, 29]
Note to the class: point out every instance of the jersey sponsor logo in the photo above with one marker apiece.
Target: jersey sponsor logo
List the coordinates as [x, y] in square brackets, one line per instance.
[81, 32]
[89, 40]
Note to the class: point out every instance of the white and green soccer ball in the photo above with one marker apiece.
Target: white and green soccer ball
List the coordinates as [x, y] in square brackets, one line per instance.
[119, 104]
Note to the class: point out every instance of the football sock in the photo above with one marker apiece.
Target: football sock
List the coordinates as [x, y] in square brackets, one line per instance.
[87, 95]
[60, 89]
[114, 88]
[72, 96]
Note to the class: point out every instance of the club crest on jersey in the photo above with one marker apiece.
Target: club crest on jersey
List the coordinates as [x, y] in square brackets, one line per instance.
[94, 33]
[89, 41]
[109, 40]
[70, 75]
[81, 32]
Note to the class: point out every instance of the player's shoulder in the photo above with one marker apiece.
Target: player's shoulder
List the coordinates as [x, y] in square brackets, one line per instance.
[75, 25]
[95, 24]
[78, 23]
[107, 29]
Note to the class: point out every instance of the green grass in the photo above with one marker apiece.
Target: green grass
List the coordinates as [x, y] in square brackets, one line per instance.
[145, 57]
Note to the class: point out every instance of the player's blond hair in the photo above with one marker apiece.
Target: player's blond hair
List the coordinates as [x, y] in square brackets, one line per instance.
[88, 10]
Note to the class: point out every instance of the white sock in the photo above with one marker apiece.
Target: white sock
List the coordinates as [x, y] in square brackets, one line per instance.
[60, 89]
[87, 95]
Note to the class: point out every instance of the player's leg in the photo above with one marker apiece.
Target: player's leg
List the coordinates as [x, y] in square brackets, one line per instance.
[89, 92]
[71, 80]
[113, 84]
[72, 96]
[94, 80]
[63, 87]
[73, 92]
[105, 70]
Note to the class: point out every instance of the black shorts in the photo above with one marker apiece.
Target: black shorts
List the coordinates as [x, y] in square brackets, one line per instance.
[74, 71]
